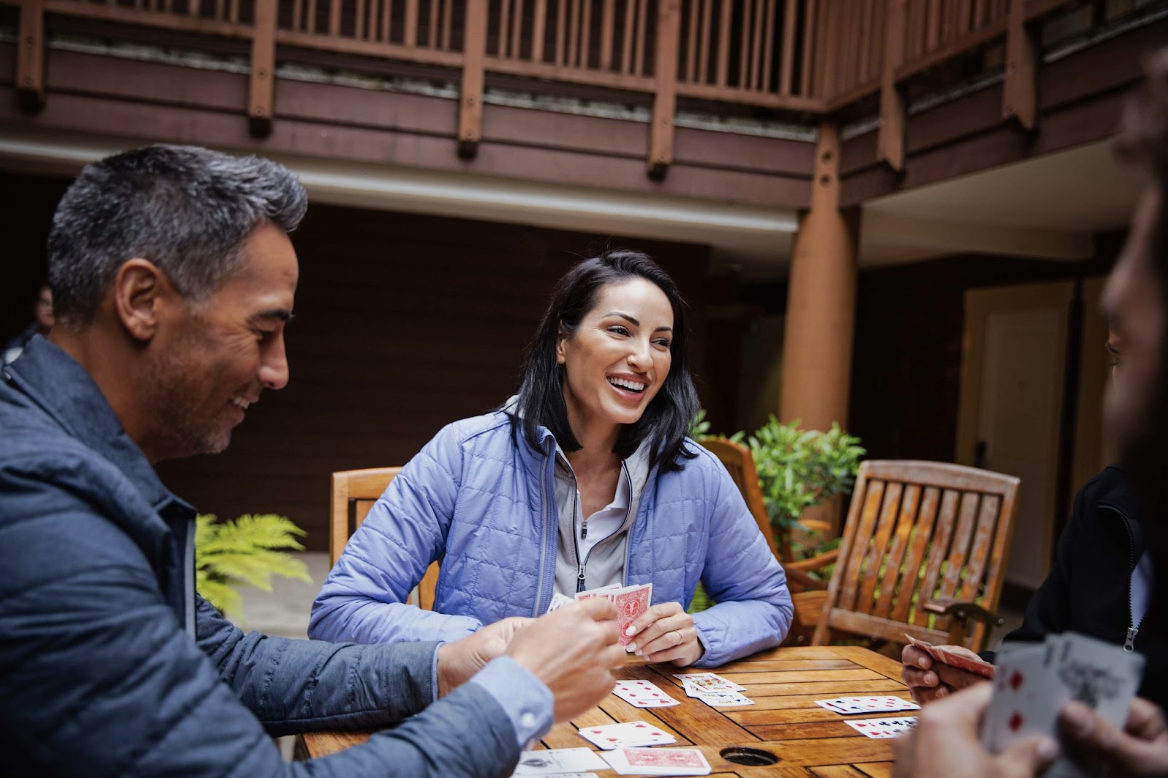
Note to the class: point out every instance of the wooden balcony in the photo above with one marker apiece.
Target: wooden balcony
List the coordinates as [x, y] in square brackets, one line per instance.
[802, 60]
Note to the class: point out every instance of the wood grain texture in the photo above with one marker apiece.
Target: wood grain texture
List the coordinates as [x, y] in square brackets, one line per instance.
[808, 739]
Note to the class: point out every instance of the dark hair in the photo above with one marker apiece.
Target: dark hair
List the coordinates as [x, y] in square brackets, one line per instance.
[189, 210]
[1145, 140]
[541, 393]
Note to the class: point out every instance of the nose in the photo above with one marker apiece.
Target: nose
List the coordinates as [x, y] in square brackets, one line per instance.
[273, 373]
[640, 354]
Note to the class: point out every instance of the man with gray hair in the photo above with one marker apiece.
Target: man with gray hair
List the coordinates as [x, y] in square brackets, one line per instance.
[173, 278]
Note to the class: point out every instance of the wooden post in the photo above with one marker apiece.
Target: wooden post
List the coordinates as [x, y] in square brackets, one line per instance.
[890, 137]
[30, 55]
[474, 54]
[262, 86]
[1020, 90]
[817, 341]
[665, 100]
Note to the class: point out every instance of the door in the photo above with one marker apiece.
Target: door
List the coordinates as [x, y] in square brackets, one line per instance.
[1010, 414]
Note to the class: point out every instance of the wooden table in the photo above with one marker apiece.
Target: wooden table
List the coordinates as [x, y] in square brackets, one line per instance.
[784, 684]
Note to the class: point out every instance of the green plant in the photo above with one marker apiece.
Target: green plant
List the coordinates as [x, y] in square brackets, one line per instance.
[799, 469]
[244, 552]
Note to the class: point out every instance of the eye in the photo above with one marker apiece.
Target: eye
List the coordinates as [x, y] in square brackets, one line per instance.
[618, 329]
[664, 343]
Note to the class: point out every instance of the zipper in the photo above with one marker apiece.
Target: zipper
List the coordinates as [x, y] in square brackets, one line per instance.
[582, 564]
[1129, 640]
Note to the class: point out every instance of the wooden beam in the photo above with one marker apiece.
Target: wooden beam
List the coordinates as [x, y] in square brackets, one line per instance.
[262, 84]
[30, 58]
[470, 111]
[1020, 89]
[665, 100]
[893, 118]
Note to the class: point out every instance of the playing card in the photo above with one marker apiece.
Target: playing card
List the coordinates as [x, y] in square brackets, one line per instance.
[722, 699]
[882, 728]
[1100, 675]
[643, 694]
[630, 734]
[657, 761]
[945, 656]
[558, 761]
[558, 601]
[1026, 697]
[709, 681]
[631, 603]
[870, 704]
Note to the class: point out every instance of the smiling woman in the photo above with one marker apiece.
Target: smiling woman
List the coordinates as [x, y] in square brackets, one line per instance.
[585, 478]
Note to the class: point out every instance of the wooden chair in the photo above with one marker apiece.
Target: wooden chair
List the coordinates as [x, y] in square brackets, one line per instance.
[923, 552]
[353, 495]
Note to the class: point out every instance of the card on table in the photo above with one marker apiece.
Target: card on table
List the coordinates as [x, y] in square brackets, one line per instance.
[883, 728]
[953, 659]
[657, 761]
[708, 681]
[557, 761]
[872, 704]
[722, 699]
[630, 734]
[643, 694]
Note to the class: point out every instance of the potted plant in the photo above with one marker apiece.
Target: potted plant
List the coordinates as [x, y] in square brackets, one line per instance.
[245, 551]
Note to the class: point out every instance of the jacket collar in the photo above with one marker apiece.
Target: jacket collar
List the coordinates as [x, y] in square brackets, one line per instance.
[62, 388]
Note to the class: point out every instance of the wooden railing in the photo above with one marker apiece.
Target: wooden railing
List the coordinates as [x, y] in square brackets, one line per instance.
[804, 57]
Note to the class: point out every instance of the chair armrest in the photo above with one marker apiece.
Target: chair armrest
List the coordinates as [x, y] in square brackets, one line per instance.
[799, 581]
[813, 563]
[961, 613]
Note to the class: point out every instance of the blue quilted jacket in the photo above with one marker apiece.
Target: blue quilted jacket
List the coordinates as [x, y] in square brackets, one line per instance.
[481, 501]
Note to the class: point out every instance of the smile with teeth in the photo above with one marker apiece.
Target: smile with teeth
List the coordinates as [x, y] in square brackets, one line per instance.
[624, 383]
[240, 402]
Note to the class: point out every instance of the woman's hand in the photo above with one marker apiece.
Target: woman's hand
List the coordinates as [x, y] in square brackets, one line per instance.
[665, 633]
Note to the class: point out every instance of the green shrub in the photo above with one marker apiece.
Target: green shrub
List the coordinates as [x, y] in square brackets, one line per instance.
[244, 552]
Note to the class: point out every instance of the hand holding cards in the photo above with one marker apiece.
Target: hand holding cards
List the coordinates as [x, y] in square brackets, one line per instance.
[631, 603]
[946, 656]
[1034, 681]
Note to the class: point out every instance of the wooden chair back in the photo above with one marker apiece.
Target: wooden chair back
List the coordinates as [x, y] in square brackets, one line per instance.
[353, 495]
[919, 533]
[740, 464]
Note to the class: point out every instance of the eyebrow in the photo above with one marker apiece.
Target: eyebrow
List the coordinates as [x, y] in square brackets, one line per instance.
[636, 323]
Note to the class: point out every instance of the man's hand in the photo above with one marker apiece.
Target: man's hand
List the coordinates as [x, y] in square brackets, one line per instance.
[458, 661]
[928, 680]
[1141, 749]
[666, 633]
[573, 650]
[946, 743]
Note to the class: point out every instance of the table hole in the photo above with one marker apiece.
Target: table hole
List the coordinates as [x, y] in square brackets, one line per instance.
[752, 757]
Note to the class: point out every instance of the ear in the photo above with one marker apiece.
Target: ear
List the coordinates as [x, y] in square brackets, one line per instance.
[139, 292]
[561, 336]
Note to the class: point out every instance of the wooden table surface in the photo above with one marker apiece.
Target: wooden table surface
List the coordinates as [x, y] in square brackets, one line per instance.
[784, 684]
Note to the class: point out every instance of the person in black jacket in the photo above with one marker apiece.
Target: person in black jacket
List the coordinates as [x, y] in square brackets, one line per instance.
[1099, 586]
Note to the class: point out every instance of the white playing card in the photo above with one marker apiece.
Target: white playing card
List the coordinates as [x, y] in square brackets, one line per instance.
[1026, 697]
[886, 703]
[643, 694]
[558, 601]
[630, 734]
[883, 728]
[657, 761]
[1100, 675]
[716, 699]
[557, 761]
[709, 681]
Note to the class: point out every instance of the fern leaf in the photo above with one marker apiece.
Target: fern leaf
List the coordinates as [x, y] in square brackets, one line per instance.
[222, 596]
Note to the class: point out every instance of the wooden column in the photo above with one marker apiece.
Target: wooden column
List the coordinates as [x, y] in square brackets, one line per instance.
[474, 54]
[817, 341]
[665, 100]
[890, 137]
[262, 85]
[30, 55]
[1020, 90]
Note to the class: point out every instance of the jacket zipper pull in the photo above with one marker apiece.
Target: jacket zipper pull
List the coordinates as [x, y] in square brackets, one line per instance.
[580, 577]
[583, 529]
[1129, 643]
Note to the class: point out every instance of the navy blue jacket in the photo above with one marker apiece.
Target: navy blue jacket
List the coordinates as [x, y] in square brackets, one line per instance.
[111, 665]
